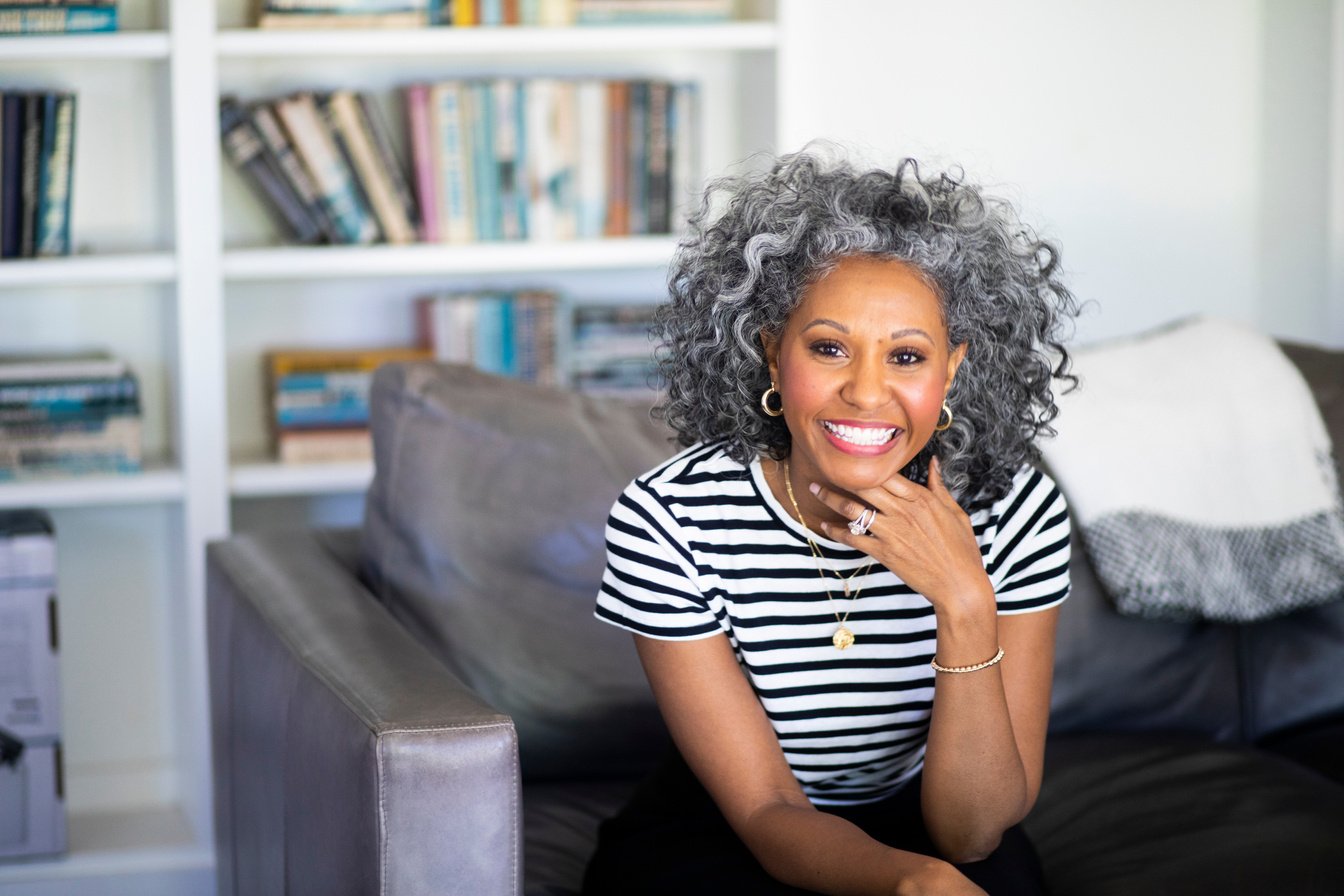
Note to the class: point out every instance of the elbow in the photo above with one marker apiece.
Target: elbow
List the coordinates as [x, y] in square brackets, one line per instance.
[968, 846]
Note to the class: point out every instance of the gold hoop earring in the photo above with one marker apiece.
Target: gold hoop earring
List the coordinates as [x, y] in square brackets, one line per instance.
[940, 426]
[765, 402]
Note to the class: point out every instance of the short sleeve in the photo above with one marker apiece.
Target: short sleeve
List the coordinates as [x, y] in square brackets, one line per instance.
[648, 585]
[1028, 559]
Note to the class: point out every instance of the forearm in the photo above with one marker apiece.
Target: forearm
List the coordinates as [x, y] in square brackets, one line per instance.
[975, 782]
[817, 851]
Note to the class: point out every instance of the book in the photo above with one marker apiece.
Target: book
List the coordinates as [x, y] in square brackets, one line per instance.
[284, 361]
[58, 366]
[551, 158]
[43, 19]
[11, 168]
[508, 158]
[424, 167]
[391, 162]
[591, 169]
[478, 114]
[506, 333]
[637, 165]
[658, 147]
[322, 20]
[335, 184]
[683, 128]
[338, 139]
[452, 171]
[344, 6]
[328, 445]
[348, 118]
[54, 179]
[651, 12]
[110, 446]
[618, 160]
[281, 153]
[246, 150]
[30, 163]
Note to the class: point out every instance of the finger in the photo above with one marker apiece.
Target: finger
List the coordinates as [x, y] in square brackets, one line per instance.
[936, 484]
[841, 504]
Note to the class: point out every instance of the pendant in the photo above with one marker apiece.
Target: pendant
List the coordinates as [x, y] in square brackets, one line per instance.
[843, 638]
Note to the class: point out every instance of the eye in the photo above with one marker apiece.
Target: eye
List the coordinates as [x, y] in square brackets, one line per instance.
[907, 357]
[827, 348]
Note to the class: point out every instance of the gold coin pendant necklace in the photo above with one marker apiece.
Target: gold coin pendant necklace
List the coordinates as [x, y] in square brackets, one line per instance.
[843, 638]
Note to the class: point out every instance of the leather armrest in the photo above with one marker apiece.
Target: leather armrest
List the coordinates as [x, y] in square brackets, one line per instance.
[347, 758]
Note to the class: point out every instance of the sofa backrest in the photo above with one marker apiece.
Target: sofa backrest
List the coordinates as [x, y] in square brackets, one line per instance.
[484, 533]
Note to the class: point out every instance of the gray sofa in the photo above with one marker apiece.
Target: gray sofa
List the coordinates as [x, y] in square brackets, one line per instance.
[426, 705]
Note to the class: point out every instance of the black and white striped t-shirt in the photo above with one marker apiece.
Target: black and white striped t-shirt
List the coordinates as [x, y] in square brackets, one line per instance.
[700, 546]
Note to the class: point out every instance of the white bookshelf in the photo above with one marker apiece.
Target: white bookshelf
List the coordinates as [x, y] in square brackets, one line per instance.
[176, 267]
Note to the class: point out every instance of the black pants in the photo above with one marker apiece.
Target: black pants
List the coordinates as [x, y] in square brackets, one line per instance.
[671, 840]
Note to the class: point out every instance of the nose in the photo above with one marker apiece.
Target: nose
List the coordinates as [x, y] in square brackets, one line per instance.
[866, 384]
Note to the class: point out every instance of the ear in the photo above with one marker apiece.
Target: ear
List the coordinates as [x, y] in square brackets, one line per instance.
[771, 346]
[953, 362]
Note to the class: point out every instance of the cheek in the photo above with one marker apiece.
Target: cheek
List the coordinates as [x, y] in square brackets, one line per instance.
[924, 402]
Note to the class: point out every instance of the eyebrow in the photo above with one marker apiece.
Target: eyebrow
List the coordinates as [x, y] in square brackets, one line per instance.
[896, 334]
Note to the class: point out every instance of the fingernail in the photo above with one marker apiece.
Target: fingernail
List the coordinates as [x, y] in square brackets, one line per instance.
[814, 488]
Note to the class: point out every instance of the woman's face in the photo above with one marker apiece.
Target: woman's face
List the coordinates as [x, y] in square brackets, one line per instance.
[862, 367]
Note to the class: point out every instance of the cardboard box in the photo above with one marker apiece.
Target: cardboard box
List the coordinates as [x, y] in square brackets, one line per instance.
[32, 797]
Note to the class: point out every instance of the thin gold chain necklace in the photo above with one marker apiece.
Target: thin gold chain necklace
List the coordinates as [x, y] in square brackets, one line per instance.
[843, 638]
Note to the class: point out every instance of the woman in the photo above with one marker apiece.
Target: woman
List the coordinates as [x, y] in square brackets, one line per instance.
[844, 591]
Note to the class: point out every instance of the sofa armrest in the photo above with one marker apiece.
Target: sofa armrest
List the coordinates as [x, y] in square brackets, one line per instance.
[347, 758]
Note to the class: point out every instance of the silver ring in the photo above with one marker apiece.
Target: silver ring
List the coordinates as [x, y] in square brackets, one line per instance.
[861, 523]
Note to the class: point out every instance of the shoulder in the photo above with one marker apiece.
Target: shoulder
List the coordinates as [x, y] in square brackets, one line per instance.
[702, 469]
[1032, 493]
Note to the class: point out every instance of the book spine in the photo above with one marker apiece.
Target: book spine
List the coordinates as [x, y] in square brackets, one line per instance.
[464, 13]
[480, 127]
[58, 20]
[361, 189]
[638, 167]
[71, 395]
[454, 141]
[349, 123]
[334, 182]
[391, 162]
[592, 164]
[491, 12]
[684, 187]
[11, 167]
[418, 124]
[508, 158]
[564, 142]
[344, 6]
[618, 159]
[324, 446]
[33, 107]
[53, 216]
[657, 182]
[286, 161]
[318, 20]
[537, 100]
[488, 345]
[244, 147]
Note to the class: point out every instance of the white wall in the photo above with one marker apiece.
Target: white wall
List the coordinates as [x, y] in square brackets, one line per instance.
[1177, 150]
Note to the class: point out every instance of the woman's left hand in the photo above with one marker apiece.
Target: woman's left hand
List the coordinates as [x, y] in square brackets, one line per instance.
[920, 533]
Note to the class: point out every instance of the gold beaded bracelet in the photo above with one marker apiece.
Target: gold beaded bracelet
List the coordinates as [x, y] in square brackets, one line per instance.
[976, 668]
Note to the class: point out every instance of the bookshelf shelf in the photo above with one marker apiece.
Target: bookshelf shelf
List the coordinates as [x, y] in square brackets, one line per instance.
[158, 484]
[419, 260]
[89, 270]
[155, 842]
[469, 42]
[271, 479]
[143, 45]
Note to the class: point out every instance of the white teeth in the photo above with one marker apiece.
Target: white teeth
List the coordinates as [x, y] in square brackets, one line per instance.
[860, 435]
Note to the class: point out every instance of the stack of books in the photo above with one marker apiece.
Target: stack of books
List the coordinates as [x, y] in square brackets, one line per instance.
[37, 139]
[319, 400]
[613, 351]
[550, 159]
[68, 414]
[468, 13]
[57, 16]
[506, 333]
[324, 164]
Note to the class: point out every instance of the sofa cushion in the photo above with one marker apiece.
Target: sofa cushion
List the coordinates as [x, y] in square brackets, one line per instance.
[484, 534]
[1122, 673]
[1125, 814]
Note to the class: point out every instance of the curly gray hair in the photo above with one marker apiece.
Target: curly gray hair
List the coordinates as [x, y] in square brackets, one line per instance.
[740, 272]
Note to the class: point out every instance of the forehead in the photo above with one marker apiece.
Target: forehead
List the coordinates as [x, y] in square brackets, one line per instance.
[867, 291]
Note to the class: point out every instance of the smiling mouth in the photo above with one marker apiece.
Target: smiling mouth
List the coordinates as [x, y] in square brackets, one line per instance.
[867, 436]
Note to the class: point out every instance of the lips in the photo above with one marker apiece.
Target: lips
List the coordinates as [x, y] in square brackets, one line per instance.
[857, 438]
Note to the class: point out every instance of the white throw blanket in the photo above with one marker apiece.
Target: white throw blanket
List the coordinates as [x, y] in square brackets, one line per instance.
[1199, 471]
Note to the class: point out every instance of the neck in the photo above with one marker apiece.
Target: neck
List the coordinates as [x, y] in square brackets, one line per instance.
[813, 511]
